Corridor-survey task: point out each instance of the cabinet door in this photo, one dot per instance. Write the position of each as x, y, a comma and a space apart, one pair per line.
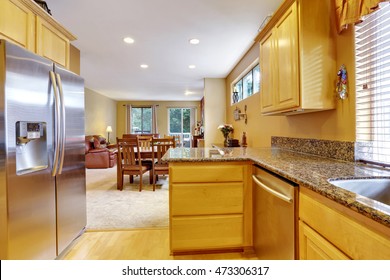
51, 43
358, 237
313, 246
268, 72
17, 24
287, 60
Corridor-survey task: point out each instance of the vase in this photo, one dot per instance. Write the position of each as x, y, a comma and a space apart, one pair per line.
226, 142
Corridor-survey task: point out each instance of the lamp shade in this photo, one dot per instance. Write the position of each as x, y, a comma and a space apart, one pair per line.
109, 129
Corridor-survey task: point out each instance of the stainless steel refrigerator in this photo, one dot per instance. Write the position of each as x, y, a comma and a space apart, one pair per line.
42, 169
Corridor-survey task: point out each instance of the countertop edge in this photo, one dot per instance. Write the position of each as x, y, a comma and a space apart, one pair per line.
319, 185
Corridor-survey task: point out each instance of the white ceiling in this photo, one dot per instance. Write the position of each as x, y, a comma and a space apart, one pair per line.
161, 30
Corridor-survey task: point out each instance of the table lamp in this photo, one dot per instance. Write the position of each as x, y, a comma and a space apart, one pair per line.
108, 129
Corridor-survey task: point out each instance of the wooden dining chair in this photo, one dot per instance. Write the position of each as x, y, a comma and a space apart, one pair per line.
135, 135
155, 135
129, 161
145, 147
160, 147
144, 142
130, 135
176, 139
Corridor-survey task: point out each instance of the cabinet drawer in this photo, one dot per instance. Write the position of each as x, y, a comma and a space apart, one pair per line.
206, 232
207, 198
206, 173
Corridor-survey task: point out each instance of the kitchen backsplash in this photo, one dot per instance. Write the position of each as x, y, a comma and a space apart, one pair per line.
342, 150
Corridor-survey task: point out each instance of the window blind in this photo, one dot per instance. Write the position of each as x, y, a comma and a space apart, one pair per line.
372, 46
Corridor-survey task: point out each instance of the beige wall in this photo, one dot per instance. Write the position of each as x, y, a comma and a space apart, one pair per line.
100, 111
214, 111
162, 113
337, 124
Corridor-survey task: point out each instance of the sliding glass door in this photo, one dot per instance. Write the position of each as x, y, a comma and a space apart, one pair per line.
180, 122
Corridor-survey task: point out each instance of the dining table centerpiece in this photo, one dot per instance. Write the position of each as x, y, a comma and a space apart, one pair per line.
226, 129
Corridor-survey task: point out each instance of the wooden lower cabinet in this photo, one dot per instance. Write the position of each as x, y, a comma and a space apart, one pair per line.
329, 230
210, 206
313, 246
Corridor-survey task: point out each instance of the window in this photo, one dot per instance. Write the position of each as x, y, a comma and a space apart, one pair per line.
237, 92
141, 120
247, 85
256, 78
180, 122
372, 45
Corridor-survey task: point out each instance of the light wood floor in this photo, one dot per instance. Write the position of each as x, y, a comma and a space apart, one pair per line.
133, 244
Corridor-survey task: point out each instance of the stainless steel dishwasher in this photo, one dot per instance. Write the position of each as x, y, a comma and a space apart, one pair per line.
274, 216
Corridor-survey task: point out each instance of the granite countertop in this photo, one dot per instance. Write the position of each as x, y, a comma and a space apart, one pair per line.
307, 170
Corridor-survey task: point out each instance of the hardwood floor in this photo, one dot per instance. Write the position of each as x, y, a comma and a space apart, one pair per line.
134, 244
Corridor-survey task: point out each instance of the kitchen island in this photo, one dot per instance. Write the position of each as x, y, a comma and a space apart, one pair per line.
310, 172
210, 206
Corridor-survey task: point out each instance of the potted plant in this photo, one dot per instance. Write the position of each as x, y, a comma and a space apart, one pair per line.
225, 129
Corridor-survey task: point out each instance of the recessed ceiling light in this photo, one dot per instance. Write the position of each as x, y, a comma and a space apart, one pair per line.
194, 41
189, 92
128, 40
191, 66
144, 66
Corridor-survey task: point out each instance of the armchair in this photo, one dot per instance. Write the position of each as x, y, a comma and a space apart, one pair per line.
97, 155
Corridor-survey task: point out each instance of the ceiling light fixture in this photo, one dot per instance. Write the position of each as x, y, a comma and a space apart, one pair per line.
191, 66
128, 40
194, 41
189, 92
144, 66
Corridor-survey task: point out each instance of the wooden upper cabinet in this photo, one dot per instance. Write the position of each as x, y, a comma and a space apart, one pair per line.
279, 64
25, 23
287, 56
51, 43
269, 75
298, 59
17, 24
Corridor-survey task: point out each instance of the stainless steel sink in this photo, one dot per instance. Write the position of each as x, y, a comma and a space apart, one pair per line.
377, 189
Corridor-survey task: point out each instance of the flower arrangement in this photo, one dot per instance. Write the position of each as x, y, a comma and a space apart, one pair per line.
225, 129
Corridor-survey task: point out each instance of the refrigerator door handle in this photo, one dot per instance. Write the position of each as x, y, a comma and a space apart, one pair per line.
56, 124
62, 154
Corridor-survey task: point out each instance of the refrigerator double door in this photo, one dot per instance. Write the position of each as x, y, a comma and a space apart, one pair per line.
43, 211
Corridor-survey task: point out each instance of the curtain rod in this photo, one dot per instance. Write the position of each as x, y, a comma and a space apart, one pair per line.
140, 105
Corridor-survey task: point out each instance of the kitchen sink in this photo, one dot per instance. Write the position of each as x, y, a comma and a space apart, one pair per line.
377, 189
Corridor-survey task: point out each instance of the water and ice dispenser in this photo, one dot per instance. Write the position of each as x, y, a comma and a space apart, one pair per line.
31, 147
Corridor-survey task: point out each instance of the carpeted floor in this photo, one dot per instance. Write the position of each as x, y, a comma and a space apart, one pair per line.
109, 208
